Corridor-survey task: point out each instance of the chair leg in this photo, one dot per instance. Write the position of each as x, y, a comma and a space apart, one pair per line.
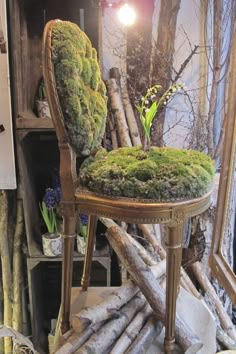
173, 263
67, 267
92, 225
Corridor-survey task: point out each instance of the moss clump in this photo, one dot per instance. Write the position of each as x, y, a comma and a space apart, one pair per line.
81, 91
162, 173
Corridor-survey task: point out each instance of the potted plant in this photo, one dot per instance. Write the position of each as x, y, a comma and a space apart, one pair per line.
52, 241
82, 235
41, 101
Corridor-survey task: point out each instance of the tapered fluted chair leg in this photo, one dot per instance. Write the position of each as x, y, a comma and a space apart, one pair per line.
92, 225
67, 268
173, 264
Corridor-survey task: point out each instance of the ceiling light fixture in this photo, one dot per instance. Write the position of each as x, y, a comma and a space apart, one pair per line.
126, 14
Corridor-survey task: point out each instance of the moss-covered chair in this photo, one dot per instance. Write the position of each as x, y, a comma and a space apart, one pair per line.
160, 186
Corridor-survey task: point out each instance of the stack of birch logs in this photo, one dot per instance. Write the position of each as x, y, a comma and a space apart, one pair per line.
13, 308
129, 319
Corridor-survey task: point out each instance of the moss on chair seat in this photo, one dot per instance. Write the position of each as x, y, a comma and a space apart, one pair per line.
163, 174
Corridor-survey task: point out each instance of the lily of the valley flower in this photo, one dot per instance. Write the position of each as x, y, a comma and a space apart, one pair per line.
151, 102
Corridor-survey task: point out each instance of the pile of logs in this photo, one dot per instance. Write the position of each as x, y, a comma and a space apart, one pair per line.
125, 322
129, 319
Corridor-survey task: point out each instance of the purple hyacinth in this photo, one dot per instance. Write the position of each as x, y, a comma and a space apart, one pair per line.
57, 189
50, 198
57, 192
84, 219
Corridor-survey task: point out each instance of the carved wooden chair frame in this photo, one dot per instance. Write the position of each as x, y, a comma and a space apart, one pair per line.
173, 214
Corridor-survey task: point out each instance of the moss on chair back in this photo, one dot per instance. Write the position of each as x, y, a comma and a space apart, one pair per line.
81, 91
163, 174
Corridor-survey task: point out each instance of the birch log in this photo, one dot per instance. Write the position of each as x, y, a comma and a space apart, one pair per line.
149, 332
131, 120
6, 268
185, 281
131, 331
105, 309
205, 283
118, 110
150, 287
74, 342
1, 314
17, 270
143, 253
112, 132
225, 340
129, 113
148, 234
104, 339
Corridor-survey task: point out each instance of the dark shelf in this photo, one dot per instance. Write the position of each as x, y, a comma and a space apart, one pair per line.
98, 255
28, 120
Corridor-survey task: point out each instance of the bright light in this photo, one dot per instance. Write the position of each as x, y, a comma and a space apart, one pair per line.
126, 15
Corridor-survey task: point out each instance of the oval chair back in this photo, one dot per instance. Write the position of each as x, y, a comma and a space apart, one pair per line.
76, 96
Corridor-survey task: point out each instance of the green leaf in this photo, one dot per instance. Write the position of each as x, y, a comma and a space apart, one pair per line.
84, 231
146, 132
49, 217
151, 114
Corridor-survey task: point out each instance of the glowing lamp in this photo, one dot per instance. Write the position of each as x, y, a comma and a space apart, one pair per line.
126, 14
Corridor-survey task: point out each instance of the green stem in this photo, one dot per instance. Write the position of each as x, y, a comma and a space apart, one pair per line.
146, 144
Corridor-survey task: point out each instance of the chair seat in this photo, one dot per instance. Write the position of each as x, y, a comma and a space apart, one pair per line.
159, 175
137, 211
164, 185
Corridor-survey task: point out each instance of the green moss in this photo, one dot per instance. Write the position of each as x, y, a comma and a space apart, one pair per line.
87, 71
94, 54
102, 88
81, 91
161, 174
96, 78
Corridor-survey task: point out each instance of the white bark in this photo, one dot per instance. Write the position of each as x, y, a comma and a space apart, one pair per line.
106, 309
74, 342
6, 268
118, 110
132, 331
133, 127
104, 339
150, 287
149, 332
17, 270
143, 253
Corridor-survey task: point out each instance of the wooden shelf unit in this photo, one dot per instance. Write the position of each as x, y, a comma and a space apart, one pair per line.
29, 121
37, 151
41, 311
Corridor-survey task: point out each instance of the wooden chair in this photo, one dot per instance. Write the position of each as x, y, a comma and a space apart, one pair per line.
132, 210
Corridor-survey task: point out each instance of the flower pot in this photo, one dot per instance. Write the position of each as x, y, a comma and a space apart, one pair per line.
81, 244
43, 109
52, 244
